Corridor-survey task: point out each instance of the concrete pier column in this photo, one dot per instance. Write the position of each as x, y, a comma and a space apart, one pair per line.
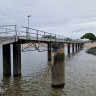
6, 60
49, 51
58, 65
16, 59
72, 47
69, 48
76, 47
81, 45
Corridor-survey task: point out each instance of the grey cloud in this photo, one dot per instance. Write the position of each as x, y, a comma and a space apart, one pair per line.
51, 15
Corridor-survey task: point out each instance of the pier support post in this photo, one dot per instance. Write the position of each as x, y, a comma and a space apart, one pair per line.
16, 59
76, 47
72, 47
81, 45
58, 66
49, 51
6, 60
69, 48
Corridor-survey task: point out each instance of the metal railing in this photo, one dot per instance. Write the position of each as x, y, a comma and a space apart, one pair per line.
8, 31
40, 35
30, 34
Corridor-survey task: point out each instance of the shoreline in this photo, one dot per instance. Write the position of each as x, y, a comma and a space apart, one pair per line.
91, 49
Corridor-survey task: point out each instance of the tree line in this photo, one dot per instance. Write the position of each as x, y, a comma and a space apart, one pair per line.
89, 36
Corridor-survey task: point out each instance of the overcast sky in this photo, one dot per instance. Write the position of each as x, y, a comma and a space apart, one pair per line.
71, 18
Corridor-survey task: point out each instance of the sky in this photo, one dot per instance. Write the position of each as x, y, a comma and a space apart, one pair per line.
69, 18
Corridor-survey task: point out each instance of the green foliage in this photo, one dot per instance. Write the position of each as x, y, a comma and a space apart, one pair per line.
59, 57
48, 36
89, 36
68, 39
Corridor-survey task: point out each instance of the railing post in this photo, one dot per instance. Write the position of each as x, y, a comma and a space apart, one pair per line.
76, 47
64, 39
44, 36
50, 37
37, 35
19, 33
16, 33
55, 38
59, 38
27, 32
6, 32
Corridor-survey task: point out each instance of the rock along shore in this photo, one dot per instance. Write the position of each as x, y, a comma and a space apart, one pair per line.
92, 51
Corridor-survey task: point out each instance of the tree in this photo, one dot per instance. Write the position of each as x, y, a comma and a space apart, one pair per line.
89, 36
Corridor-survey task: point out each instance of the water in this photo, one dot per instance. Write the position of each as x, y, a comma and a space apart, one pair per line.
80, 76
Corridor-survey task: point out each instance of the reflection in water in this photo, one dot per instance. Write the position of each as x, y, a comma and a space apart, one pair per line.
80, 76
71, 54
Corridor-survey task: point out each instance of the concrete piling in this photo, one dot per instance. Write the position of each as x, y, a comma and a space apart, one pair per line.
68, 48
6, 60
72, 47
58, 66
49, 51
76, 47
16, 59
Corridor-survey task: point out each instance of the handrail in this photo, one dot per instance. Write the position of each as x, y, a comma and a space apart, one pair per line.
30, 32
44, 34
9, 31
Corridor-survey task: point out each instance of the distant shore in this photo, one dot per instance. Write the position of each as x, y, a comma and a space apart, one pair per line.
90, 44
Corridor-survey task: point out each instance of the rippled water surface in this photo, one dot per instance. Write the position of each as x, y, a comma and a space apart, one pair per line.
80, 76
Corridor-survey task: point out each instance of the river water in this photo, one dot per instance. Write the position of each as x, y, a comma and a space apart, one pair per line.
80, 76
